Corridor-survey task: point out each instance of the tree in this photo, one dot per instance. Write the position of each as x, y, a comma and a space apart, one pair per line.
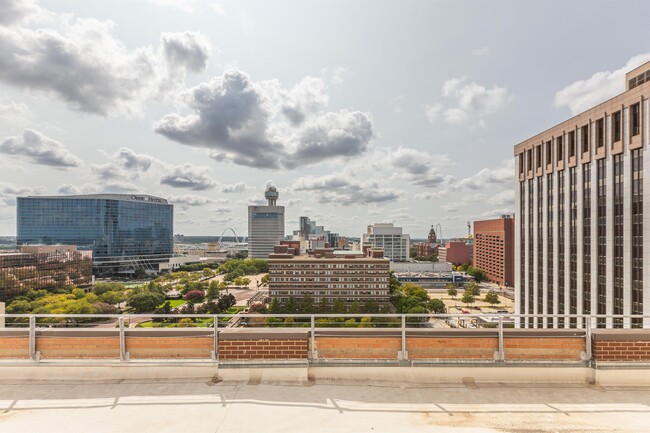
112, 297
289, 321
275, 307
371, 307
145, 301
350, 323
213, 291
366, 322
225, 302
324, 306
437, 306
264, 281
139, 274
195, 296
394, 284
185, 322
78, 293
339, 307
474, 288
306, 305
492, 298
291, 307
355, 308
451, 290
468, 297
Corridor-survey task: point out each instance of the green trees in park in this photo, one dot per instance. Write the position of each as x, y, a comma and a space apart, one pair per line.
145, 300
452, 290
492, 298
437, 306
468, 297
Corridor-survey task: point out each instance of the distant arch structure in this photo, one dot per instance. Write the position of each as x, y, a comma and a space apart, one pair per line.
439, 232
237, 241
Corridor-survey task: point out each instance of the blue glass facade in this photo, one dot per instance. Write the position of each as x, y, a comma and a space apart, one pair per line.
118, 228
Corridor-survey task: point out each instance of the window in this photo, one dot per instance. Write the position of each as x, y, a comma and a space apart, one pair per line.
529, 156
616, 127
584, 131
600, 133
635, 119
549, 153
572, 144
560, 148
538, 157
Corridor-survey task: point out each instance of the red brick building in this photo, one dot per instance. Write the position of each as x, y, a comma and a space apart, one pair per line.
494, 245
429, 247
456, 252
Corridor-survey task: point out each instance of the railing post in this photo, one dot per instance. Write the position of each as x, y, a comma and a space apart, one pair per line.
33, 354
314, 353
500, 355
403, 355
215, 352
587, 353
124, 355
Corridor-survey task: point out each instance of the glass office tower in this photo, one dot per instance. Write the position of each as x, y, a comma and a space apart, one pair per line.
125, 232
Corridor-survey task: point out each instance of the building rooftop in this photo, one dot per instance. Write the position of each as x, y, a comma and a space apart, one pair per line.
254, 404
122, 197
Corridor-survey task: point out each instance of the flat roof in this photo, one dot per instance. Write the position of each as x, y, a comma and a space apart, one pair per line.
260, 404
143, 198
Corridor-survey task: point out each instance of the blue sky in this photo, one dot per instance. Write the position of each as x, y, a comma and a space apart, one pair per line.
357, 111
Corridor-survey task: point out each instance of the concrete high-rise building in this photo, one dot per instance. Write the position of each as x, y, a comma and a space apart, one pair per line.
265, 226
494, 245
389, 238
124, 231
581, 213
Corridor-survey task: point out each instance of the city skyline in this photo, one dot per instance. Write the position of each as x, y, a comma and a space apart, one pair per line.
410, 116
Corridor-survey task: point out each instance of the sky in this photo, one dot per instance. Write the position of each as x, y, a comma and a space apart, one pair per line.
357, 111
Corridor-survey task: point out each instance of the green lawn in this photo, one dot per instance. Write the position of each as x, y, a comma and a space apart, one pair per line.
175, 303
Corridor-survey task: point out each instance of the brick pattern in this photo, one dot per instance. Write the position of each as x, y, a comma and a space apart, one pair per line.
14, 347
621, 350
452, 348
169, 347
559, 349
358, 347
263, 349
78, 347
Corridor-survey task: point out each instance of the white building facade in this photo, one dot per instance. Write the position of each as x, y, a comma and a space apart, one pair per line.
265, 226
394, 243
583, 222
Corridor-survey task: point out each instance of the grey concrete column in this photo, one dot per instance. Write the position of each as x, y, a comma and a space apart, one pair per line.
594, 227
535, 274
545, 281
580, 235
627, 221
609, 166
556, 246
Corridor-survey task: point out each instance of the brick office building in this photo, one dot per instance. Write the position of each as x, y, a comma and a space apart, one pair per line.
494, 244
329, 274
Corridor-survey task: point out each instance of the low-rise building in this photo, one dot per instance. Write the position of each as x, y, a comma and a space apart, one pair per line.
328, 274
44, 267
389, 238
456, 252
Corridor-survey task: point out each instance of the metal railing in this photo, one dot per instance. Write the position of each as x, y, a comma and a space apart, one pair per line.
497, 323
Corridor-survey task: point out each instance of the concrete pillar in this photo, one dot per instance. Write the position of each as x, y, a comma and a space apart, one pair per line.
545, 281
610, 220
627, 220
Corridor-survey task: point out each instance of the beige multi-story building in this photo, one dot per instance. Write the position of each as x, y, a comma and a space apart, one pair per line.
581, 214
329, 274
265, 226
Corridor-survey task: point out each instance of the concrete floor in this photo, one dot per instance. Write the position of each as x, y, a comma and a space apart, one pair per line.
200, 406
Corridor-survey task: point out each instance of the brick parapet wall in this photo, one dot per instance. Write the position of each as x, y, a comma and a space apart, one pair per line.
14, 347
620, 345
261, 349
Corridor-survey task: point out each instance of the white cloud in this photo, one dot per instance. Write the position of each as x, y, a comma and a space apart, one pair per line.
469, 102
489, 178
39, 149
14, 113
601, 86
345, 190
481, 52
190, 200
116, 187
125, 164
190, 6
9, 192
190, 177
261, 124
80, 61
234, 188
